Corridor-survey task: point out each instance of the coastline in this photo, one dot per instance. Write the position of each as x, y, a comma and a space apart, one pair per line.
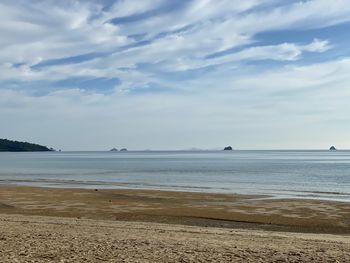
93, 225
179, 208
273, 194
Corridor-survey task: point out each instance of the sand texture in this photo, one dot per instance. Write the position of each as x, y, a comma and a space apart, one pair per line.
76, 225
49, 239
200, 209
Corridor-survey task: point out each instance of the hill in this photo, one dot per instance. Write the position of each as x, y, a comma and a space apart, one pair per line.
15, 146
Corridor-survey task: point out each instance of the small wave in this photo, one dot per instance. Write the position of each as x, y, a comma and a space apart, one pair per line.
314, 192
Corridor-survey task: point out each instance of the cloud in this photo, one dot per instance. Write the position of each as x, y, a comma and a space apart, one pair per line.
34, 32
63, 30
125, 66
126, 8
274, 101
282, 52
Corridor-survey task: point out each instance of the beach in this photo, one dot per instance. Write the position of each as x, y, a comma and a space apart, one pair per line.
51, 239
94, 225
175, 131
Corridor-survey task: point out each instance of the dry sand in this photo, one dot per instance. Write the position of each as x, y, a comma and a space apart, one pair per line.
49, 239
76, 225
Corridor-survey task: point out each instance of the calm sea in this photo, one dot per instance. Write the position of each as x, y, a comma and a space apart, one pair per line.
291, 174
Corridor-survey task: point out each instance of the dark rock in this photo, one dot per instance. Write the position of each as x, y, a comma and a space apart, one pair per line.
228, 148
123, 150
114, 150
333, 148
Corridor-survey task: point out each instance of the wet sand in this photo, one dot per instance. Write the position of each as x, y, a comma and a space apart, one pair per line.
201, 209
76, 225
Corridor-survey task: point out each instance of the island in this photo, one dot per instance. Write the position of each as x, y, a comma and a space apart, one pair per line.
123, 150
332, 148
228, 148
15, 146
113, 150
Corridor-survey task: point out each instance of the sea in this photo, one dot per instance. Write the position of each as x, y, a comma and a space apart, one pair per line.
303, 174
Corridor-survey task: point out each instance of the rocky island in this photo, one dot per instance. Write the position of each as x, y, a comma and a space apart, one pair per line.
332, 148
15, 146
228, 148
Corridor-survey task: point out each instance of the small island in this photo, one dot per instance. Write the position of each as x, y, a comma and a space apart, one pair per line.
123, 150
113, 150
15, 146
228, 148
332, 148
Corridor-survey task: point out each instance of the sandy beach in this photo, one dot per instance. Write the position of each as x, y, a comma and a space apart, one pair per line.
81, 225
50, 239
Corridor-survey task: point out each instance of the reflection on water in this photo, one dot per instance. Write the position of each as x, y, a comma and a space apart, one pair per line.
296, 174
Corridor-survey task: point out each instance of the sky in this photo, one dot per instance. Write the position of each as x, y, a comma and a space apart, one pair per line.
160, 74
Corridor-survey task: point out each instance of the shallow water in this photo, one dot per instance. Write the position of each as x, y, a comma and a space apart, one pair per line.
291, 174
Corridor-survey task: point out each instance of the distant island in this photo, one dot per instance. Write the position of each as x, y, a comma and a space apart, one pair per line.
15, 146
228, 148
116, 150
332, 148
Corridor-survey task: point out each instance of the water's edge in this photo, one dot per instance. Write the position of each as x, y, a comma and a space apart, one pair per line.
320, 175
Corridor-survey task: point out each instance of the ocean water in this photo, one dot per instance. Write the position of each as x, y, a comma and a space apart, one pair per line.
279, 174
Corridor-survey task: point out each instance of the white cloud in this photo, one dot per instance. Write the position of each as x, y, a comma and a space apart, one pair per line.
282, 52
329, 76
124, 8
233, 101
57, 30
33, 31
275, 104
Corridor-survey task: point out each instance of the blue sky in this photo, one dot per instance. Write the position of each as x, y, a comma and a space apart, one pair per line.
157, 74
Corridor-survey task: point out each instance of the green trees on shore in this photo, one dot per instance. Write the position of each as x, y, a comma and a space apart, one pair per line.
15, 146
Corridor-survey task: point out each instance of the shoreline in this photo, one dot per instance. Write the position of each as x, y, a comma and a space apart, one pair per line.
286, 194
179, 208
